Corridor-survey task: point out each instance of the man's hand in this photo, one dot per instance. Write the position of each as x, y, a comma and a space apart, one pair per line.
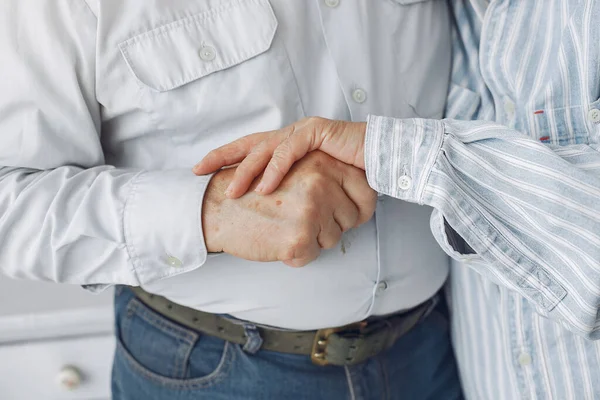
316, 202
275, 152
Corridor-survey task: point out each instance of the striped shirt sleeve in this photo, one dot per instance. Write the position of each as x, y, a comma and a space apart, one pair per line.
530, 212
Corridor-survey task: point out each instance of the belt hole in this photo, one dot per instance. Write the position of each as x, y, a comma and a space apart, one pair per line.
195, 320
151, 296
220, 329
299, 336
297, 347
169, 306
349, 359
352, 347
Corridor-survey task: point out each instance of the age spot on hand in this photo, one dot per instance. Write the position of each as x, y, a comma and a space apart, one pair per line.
278, 202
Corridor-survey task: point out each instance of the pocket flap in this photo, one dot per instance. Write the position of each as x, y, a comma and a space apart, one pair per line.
185, 50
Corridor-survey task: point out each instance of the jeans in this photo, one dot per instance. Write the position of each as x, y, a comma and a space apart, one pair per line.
157, 359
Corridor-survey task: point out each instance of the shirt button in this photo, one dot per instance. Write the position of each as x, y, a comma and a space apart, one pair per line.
208, 53
332, 3
381, 287
524, 359
359, 96
594, 115
509, 107
174, 262
404, 182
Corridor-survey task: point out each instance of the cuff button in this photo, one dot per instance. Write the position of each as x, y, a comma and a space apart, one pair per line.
174, 262
404, 182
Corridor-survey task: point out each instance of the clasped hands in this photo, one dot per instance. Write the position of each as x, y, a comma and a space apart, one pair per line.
286, 201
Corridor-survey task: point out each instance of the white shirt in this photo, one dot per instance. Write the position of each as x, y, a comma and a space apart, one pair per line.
106, 105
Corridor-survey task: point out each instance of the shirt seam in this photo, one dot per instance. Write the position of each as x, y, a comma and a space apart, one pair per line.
129, 243
183, 22
434, 154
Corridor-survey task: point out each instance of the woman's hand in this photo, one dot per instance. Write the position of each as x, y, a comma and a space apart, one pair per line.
275, 152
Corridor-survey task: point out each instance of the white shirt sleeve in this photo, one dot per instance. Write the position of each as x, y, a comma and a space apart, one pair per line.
65, 216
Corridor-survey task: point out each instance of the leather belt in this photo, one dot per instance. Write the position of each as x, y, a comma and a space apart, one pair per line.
347, 345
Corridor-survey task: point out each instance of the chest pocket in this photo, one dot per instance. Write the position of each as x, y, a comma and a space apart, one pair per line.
223, 70
569, 125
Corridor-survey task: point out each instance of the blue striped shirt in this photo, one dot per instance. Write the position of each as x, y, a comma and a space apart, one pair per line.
516, 194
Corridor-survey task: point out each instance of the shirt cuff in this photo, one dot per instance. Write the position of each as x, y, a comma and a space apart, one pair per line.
163, 225
400, 153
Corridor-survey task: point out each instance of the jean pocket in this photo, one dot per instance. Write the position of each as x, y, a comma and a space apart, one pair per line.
167, 353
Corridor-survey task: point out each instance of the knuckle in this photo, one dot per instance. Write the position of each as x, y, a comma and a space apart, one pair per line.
314, 120
257, 151
299, 247
316, 178
279, 155
331, 240
371, 202
309, 213
284, 149
278, 160
317, 188
300, 263
329, 245
303, 242
289, 252
351, 223
365, 214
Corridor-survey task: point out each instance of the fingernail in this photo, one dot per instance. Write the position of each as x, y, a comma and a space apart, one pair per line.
260, 187
229, 190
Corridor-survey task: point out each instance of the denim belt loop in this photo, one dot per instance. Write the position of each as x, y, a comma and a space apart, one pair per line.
253, 339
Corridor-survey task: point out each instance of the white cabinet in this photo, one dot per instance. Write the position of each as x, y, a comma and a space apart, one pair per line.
44, 369
29, 297
52, 337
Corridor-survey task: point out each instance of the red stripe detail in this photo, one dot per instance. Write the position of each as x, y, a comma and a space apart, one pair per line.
539, 112
544, 138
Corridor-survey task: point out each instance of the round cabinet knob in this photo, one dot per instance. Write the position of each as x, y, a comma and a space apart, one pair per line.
69, 378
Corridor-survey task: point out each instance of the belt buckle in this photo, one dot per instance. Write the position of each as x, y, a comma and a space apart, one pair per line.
318, 353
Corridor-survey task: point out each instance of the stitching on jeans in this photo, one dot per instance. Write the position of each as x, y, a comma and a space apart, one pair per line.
149, 316
211, 379
161, 323
185, 359
384, 374
349, 380
137, 309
